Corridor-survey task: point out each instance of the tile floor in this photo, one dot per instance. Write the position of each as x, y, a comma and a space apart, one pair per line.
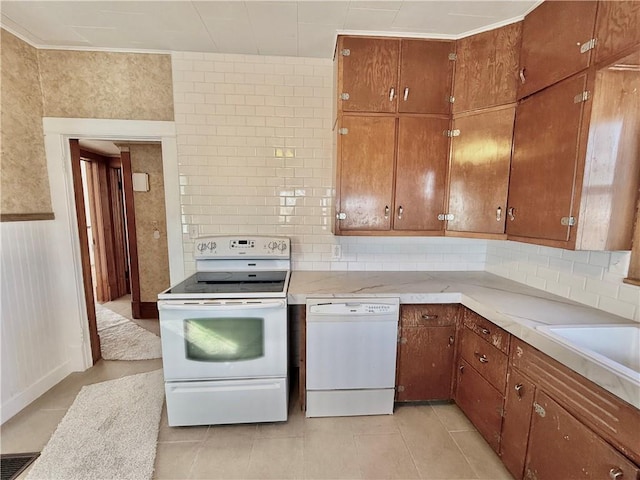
433, 441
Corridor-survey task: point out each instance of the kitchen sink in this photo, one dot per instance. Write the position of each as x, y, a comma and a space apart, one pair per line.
615, 347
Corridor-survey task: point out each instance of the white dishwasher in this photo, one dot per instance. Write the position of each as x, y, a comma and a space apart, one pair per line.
351, 356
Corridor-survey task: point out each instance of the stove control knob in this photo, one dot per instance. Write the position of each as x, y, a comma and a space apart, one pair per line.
282, 246
272, 245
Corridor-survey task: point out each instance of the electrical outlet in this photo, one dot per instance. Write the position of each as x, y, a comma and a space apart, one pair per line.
336, 252
194, 231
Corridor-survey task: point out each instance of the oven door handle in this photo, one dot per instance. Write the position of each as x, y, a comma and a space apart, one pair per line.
263, 304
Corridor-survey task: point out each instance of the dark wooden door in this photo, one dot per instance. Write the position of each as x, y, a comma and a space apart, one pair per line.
562, 447
425, 76
486, 72
368, 74
545, 158
426, 352
366, 172
481, 402
617, 28
85, 259
121, 257
479, 171
552, 43
518, 405
420, 173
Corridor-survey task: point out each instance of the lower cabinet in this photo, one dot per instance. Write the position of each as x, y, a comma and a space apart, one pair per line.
481, 402
562, 447
426, 352
518, 405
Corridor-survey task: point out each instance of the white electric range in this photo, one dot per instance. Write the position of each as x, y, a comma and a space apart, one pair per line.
224, 333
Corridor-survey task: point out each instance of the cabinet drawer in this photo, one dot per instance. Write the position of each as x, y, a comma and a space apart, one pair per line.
488, 331
615, 420
562, 447
481, 402
429, 315
489, 362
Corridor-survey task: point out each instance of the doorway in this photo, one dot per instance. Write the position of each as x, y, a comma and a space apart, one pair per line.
107, 208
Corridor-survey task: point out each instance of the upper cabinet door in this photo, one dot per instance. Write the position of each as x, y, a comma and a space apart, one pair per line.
486, 72
545, 157
421, 173
425, 76
479, 172
366, 172
617, 27
368, 74
554, 43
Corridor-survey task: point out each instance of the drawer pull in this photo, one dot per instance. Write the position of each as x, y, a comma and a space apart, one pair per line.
485, 331
426, 316
392, 94
482, 358
518, 389
461, 368
616, 474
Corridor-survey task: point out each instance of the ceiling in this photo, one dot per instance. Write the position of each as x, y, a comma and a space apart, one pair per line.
287, 28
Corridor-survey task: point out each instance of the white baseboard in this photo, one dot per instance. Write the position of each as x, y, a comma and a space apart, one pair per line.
13, 405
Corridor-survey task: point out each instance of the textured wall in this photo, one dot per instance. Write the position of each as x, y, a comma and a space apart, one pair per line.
23, 167
153, 258
106, 85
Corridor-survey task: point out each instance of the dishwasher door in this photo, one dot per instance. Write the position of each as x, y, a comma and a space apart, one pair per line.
351, 356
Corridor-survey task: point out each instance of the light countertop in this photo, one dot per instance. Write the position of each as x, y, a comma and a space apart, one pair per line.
512, 306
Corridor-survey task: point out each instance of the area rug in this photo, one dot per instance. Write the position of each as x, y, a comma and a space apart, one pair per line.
109, 432
121, 339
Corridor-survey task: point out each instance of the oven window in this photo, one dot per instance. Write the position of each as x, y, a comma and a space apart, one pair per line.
224, 339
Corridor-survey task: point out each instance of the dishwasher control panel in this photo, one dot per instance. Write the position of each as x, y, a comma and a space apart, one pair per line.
386, 306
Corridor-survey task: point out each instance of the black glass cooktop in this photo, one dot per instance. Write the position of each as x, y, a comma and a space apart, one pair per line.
232, 282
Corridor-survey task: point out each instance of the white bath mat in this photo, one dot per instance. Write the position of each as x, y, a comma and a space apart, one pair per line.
121, 339
110, 432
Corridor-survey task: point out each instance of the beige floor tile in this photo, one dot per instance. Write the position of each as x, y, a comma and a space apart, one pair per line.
384, 457
29, 430
452, 417
224, 456
328, 424
434, 452
482, 458
180, 434
330, 456
175, 459
373, 424
293, 427
276, 458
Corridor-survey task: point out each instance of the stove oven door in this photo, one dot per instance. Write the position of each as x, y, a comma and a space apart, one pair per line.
225, 339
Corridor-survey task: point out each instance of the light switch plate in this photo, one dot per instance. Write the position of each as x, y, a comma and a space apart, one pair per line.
336, 252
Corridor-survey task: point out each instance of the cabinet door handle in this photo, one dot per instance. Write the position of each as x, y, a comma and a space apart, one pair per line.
386, 211
400, 212
511, 212
522, 77
392, 93
498, 214
482, 358
426, 316
485, 331
461, 368
406, 93
451, 340
616, 474
518, 389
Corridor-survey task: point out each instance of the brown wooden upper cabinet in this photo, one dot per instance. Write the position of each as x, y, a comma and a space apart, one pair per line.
574, 174
486, 70
383, 75
390, 179
617, 28
479, 170
556, 43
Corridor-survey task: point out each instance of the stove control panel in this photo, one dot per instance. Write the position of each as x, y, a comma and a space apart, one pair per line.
234, 247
